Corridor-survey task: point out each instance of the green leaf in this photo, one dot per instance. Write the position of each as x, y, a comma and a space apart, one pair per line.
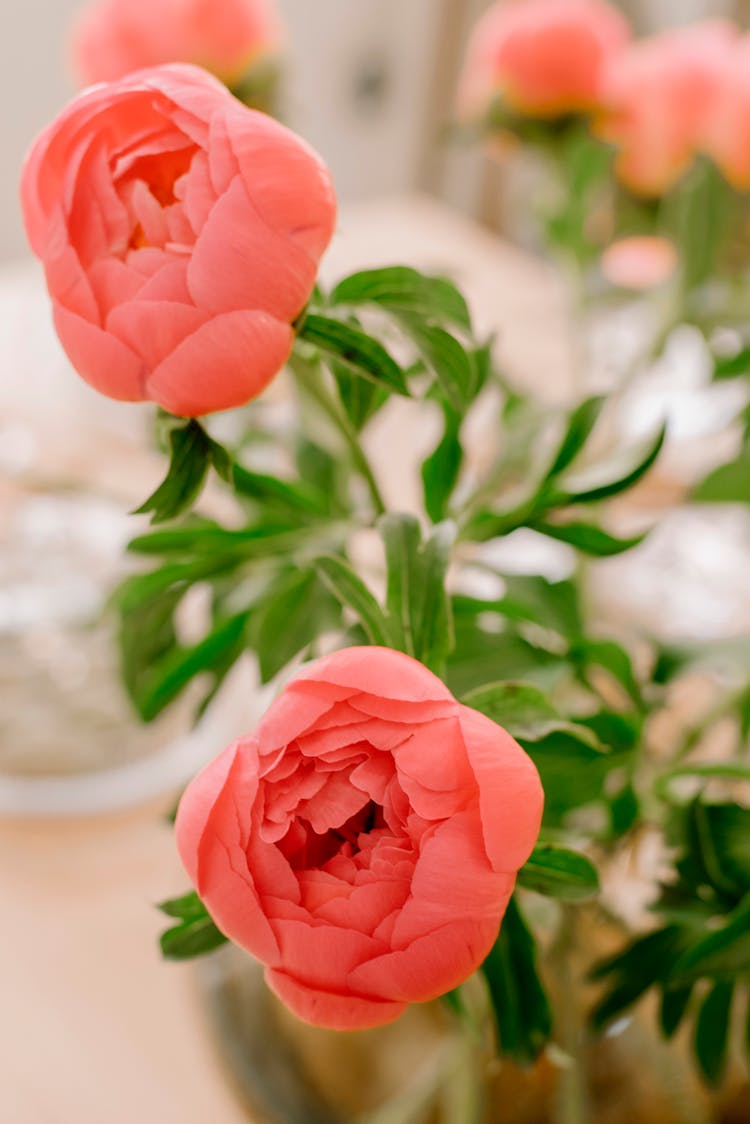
712, 1031
218, 651
721, 955
218, 545
440, 470
434, 636
294, 498
580, 425
586, 537
418, 606
318, 467
572, 772
481, 654
559, 873
351, 591
643, 963
400, 289
146, 634
293, 613
446, 357
729, 366
613, 658
519, 1001
195, 935
523, 710
532, 598
674, 1004
720, 834
191, 454
697, 217
186, 908
610, 478
357, 351
729, 483
360, 398
402, 539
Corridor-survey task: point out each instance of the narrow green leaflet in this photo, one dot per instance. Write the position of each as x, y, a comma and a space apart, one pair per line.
722, 954
446, 356
434, 631
194, 935
402, 539
296, 499
524, 711
360, 398
417, 603
146, 635
610, 656
675, 1002
211, 544
292, 614
730, 366
550, 604
729, 483
559, 873
580, 425
166, 679
519, 1001
401, 289
191, 454
697, 217
609, 478
359, 353
712, 1025
631, 973
586, 537
345, 584
440, 470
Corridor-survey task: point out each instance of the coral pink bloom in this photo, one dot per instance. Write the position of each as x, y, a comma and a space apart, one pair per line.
640, 262
544, 58
180, 234
363, 843
111, 38
660, 97
726, 136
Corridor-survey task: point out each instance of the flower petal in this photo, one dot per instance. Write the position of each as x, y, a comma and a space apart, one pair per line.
511, 798
238, 262
101, 359
326, 1008
228, 361
155, 328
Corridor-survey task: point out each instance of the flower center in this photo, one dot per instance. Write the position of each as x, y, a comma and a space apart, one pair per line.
305, 848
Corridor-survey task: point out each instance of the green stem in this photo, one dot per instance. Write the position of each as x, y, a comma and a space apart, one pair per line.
308, 376
572, 1102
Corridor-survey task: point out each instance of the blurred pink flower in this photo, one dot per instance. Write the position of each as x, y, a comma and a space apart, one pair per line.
544, 58
640, 262
180, 235
363, 842
660, 100
111, 38
726, 137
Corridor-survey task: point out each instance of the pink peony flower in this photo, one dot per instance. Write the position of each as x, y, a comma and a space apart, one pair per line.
363, 843
180, 234
545, 58
726, 135
111, 38
640, 262
659, 101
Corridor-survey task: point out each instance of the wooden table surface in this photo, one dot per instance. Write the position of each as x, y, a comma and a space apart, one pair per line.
95, 1027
